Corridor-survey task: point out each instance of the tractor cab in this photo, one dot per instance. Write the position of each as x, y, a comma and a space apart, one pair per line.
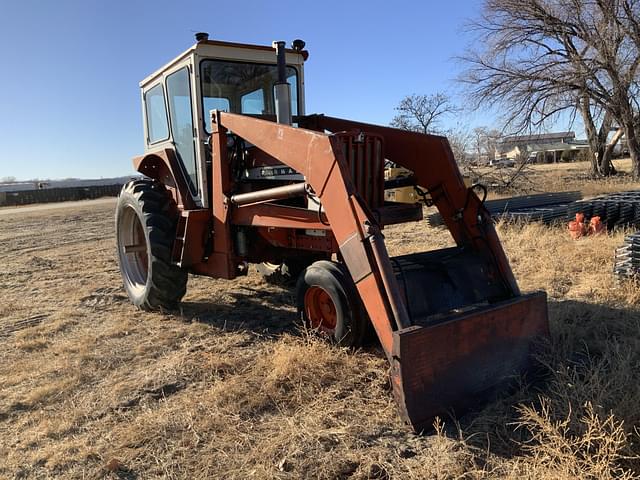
212, 75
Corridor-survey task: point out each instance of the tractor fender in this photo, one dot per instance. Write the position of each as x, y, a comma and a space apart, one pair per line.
164, 167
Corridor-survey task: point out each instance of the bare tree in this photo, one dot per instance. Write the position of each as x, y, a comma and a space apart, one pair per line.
461, 142
422, 113
538, 59
485, 142
505, 177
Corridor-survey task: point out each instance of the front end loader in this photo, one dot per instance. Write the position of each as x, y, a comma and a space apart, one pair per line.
237, 174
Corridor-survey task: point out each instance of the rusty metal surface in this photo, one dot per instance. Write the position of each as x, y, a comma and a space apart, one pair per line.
281, 216
396, 301
364, 155
163, 166
319, 157
295, 239
452, 323
431, 160
359, 265
222, 263
456, 365
269, 194
191, 237
284, 216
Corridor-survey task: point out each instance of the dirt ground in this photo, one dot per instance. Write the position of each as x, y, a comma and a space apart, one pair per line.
232, 387
20, 210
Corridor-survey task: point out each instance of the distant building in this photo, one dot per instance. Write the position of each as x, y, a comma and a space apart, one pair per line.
541, 148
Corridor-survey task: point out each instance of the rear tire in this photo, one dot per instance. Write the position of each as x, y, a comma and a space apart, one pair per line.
328, 303
146, 218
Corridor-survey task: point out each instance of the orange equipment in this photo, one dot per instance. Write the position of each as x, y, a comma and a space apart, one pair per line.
596, 226
579, 228
305, 194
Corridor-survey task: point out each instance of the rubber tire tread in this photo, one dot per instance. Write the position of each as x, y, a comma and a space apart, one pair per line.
166, 283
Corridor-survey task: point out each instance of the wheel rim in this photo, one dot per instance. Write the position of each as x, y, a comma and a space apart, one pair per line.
132, 249
320, 310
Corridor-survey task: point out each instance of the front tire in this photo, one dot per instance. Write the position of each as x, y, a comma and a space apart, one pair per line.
328, 303
146, 219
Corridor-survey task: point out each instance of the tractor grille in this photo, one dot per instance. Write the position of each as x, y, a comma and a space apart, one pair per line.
365, 158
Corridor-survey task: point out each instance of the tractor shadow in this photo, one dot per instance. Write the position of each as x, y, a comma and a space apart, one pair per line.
268, 312
582, 335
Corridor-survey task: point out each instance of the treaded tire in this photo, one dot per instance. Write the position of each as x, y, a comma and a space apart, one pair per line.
146, 218
351, 320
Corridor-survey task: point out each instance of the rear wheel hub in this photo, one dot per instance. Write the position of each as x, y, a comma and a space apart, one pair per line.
134, 256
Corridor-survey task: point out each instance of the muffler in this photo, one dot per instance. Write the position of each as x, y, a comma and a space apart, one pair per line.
282, 89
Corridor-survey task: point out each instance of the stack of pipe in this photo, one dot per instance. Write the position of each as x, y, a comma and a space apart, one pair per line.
627, 258
546, 207
615, 209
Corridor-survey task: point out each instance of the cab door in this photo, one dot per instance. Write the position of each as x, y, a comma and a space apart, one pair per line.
183, 133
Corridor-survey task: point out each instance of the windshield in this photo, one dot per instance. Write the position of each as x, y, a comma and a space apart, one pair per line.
242, 87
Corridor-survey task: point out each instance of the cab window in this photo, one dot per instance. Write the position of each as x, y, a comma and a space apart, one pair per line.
156, 113
252, 102
215, 103
246, 87
181, 117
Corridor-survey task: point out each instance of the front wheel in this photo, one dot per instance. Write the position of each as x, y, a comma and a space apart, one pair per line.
145, 230
329, 304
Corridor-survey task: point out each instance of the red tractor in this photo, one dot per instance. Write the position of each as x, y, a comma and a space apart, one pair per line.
236, 173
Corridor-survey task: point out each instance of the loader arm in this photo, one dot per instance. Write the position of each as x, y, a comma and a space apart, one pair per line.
457, 327
319, 158
431, 159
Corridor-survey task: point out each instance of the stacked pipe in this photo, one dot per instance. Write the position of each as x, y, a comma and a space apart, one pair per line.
615, 210
546, 207
546, 215
627, 258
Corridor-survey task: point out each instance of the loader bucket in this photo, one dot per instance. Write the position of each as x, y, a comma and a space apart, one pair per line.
459, 362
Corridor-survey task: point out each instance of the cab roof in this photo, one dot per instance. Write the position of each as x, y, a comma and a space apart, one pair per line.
230, 51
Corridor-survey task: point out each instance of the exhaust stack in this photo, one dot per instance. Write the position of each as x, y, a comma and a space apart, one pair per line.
282, 88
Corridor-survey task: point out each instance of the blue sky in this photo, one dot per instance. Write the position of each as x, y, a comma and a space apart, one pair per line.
69, 98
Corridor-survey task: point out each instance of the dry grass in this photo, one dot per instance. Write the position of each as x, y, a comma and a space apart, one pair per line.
231, 388
563, 177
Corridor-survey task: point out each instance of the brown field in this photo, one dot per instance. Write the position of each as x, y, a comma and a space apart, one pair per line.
232, 387
561, 177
